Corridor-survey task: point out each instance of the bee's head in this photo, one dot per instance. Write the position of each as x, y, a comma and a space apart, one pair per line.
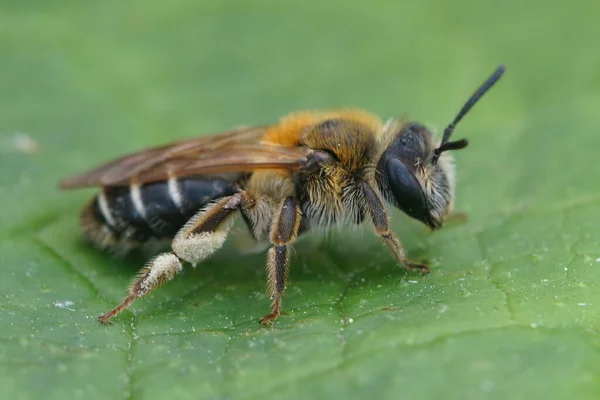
416, 174
413, 179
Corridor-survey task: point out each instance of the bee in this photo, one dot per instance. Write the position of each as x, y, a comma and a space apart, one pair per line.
311, 169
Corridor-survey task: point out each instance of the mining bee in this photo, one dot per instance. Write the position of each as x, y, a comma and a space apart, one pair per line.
311, 169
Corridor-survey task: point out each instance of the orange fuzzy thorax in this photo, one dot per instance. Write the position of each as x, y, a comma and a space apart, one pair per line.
289, 130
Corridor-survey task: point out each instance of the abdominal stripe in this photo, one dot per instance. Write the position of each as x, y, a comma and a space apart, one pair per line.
105, 210
157, 209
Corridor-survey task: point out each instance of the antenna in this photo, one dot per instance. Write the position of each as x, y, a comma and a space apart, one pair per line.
445, 145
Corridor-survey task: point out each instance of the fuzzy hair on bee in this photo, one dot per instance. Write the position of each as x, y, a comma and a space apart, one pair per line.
310, 171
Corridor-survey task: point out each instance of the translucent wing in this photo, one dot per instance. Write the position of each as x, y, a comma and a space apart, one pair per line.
234, 151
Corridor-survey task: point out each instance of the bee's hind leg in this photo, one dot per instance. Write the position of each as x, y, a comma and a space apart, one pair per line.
380, 220
201, 236
286, 224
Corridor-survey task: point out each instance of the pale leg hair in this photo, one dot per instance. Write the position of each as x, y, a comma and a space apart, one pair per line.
201, 236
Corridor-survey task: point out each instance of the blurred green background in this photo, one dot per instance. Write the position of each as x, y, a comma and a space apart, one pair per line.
511, 309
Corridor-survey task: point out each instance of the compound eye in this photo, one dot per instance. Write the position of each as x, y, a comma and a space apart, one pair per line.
406, 189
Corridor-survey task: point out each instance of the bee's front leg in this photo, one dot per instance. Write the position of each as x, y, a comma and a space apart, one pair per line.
284, 231
380, 220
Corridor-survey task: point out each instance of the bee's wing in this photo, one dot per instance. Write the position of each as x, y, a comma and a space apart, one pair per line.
234, 151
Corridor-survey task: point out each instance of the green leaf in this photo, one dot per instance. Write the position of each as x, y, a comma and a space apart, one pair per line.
512, 306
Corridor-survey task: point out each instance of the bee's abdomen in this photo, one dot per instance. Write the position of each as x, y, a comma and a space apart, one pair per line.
129, 216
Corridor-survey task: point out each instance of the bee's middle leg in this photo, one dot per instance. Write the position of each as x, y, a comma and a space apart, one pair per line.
201, 236
380, 220
286, 224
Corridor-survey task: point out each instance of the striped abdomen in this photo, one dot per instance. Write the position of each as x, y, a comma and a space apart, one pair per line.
124, 217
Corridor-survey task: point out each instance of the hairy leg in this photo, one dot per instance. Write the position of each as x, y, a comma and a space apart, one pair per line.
286, 224
380, 220
201, 236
